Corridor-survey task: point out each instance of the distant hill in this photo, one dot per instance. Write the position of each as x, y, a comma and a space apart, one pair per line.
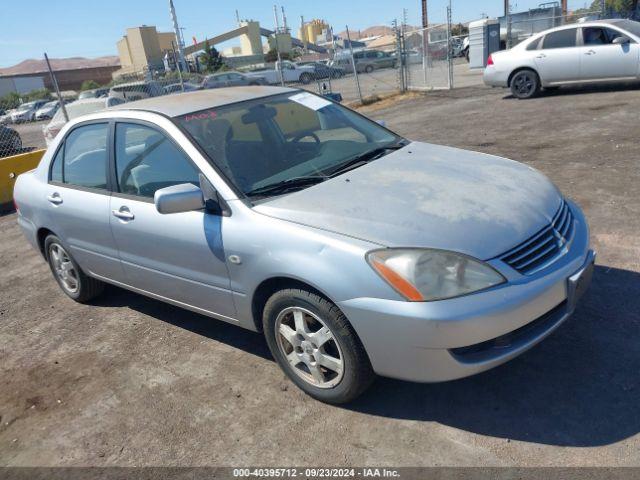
72, 63
367, 32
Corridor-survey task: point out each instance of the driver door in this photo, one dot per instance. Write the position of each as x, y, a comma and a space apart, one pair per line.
179, 257
601, 59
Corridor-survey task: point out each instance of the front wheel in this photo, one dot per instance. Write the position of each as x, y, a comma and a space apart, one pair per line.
525, 84
315, 346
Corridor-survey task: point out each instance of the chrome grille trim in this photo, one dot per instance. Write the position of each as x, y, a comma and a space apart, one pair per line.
545, 247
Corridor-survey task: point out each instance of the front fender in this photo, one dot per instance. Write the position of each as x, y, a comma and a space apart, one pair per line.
268, 248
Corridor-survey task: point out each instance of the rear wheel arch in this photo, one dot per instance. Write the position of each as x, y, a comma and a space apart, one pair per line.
520, 69
42, 235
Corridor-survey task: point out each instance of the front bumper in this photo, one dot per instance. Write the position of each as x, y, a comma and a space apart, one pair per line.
455, 338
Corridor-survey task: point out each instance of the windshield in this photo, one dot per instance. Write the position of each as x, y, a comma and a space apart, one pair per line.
26, 106
283, 137
87, 94
630, 26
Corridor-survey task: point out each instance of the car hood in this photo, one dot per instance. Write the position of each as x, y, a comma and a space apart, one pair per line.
432, 196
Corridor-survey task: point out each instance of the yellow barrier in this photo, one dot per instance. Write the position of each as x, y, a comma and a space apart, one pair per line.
11, 167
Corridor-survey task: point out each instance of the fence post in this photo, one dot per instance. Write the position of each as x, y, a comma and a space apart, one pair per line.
55, 85
449, 49
353, 63
400, 53
175, 60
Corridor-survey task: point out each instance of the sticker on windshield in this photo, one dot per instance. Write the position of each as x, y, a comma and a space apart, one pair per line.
310, 101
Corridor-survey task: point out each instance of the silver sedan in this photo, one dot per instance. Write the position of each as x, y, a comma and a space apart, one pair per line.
356, 251
589, 52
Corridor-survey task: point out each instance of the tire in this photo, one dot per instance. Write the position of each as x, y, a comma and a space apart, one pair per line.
525, 84
368, 69
16, 143
305, 78
340, 346
87, 288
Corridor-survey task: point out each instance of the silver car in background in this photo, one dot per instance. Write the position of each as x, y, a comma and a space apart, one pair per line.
589, 52
231, 79
356, 251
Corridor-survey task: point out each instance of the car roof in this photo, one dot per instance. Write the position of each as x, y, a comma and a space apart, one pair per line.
187, 102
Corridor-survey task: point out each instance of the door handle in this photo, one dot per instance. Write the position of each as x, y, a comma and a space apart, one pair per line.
590, 52
55, 198
542, 55
123, 214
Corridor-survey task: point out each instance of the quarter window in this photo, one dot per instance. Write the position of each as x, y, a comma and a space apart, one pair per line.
82, 160
560, 39
146, 161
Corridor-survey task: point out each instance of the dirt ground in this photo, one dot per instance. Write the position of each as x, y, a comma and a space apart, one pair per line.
131, 381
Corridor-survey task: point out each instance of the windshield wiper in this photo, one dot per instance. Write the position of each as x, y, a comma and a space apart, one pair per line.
287, 185
365, 158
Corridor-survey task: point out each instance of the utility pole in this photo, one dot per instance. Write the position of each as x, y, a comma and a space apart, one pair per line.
425, 31
179, 41
275, 38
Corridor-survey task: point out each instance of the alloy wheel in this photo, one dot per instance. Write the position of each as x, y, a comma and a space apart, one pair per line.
310, 347
63, 268
524, 84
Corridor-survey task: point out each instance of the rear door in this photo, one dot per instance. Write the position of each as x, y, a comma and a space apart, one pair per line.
78, 199
601, 59
558, 60
177, 256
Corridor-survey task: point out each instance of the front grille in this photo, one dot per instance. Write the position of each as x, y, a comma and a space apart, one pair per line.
545, 247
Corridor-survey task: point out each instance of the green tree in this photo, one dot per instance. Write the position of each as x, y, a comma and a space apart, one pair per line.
89, 85
272, 56
210, 59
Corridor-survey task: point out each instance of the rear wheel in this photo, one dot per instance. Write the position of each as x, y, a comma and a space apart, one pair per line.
315, 346
306, 78
73, 281
525, 84
368, 69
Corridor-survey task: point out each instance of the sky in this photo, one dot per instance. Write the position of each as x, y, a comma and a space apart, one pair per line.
91, 28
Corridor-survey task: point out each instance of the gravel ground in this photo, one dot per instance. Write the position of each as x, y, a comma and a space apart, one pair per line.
131, 381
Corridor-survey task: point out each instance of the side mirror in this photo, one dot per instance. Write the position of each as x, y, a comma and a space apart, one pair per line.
621, 40
178, 198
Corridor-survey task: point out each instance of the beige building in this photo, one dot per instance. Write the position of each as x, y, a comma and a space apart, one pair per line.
143, 48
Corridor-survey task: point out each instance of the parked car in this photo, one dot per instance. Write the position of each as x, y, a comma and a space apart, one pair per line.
590, 52
5, 118
75, 110
27, 111
136, 90
95, 93
10, 141
48, 110
365, 60
291, 72
231, 79
322, 70
356, 251
178, 88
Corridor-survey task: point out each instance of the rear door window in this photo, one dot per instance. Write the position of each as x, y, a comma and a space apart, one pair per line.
82, 160
560, 39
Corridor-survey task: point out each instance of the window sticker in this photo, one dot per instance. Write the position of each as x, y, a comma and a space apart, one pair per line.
310, 101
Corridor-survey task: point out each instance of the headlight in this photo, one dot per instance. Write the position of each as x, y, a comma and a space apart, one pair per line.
426, 275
